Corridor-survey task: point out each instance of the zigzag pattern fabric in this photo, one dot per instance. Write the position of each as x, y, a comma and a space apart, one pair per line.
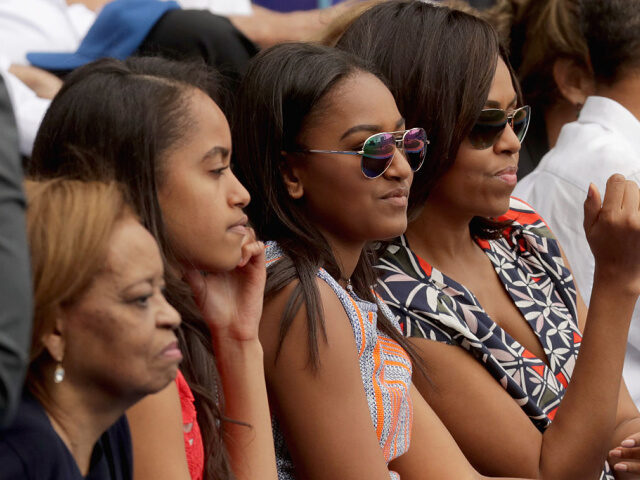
385, 368
528, 262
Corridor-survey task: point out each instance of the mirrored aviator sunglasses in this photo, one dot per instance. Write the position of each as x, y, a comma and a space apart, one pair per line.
378, 150
492, 122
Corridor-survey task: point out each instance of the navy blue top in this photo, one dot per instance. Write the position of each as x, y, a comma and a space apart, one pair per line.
31, 449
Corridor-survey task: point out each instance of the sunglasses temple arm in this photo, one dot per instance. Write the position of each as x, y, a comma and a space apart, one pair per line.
361, 152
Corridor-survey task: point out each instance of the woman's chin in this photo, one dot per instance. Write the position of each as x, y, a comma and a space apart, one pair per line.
391, 232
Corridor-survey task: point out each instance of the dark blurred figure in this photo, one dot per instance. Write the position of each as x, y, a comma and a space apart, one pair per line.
15, 284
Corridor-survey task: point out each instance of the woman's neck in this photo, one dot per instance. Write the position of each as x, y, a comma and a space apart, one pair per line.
441, 237
346, 252
624, 91
556, 117
80, 417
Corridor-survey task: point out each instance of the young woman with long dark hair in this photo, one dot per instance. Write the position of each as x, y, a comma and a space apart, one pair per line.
152, 125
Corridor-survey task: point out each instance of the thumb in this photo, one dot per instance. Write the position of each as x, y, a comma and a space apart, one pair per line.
592, 205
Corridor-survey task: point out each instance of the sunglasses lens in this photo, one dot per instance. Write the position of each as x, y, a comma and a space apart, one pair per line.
521, 122
378, 153
489, 126
414, 143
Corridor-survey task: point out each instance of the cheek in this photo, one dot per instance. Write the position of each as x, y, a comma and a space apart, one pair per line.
112, 344
471, 188
196, 215
348, 205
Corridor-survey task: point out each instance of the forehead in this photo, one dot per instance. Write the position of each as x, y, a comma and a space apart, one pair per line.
360, 98
502, 90
206, 118
132, 254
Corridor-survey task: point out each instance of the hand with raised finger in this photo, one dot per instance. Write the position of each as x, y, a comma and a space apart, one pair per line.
231, 302
625, 458
613, 232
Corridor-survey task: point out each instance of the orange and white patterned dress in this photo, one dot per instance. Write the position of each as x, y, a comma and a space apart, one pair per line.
385, 369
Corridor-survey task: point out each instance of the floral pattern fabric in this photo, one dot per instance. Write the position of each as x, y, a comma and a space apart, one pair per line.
528, 261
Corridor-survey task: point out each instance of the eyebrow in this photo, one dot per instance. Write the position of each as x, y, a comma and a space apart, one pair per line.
143, 281
369, 128
494, 104
217, 151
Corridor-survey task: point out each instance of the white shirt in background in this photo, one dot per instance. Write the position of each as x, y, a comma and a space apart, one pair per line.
604, 140
53, 26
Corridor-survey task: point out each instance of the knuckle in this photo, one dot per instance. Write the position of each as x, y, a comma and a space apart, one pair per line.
608, 216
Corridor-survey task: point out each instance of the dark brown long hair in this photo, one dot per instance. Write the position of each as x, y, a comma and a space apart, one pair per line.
611, 30
281, 91
124, 116
439, 63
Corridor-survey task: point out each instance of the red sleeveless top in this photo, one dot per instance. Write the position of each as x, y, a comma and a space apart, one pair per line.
192, 437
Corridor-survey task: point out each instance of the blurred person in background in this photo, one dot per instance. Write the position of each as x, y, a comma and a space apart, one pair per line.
549, 54
15, 285
604, 139
224, 33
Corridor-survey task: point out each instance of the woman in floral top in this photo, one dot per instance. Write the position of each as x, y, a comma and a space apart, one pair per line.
479, 270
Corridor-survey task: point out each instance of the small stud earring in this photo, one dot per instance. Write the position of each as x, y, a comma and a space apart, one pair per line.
58, 374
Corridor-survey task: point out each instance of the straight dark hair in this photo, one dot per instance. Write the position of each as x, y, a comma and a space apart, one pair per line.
125, 116
611, 29
281, 92
439, 63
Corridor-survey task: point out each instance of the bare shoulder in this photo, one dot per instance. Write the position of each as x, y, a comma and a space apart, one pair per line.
335, 321
323, 411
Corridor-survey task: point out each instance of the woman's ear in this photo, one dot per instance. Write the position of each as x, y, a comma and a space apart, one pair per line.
290, 176
575, 81
53, 339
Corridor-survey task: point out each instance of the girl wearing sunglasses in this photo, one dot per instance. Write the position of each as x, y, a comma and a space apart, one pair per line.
481, 271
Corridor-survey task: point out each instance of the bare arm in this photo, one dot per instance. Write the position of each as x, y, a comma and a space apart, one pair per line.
433, 452
267, 27
156, 426
627, 419
231, 303
242, 371
44, 84
491, 428
324, 415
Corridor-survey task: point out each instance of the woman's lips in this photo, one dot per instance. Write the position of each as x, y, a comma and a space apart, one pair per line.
508, 176
240, 227
397, 197
172, 351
